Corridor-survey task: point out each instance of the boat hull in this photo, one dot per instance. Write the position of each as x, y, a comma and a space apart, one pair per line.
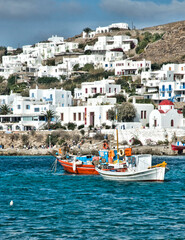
153, 174
79, 169
177, 148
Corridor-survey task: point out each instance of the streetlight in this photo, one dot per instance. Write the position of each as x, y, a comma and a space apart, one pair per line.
50, 142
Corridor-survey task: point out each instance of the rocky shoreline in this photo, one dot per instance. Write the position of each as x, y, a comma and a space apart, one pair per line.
153, 150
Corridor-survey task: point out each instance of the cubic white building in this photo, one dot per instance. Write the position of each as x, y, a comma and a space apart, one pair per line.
107, 43
129, 67
166, 116
105, 87
55, 97
107, 29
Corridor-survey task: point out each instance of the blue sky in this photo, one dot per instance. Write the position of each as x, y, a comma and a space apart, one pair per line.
29, 21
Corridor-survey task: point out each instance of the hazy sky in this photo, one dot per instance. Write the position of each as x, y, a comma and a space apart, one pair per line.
29, 21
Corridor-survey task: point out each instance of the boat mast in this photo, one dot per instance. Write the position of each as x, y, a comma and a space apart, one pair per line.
117, 145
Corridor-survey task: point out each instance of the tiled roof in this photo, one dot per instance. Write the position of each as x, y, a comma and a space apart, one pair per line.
166, 102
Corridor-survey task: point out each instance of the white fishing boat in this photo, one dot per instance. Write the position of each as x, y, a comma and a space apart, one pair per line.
134, 168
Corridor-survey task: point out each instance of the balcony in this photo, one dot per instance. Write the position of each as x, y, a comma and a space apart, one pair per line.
169, 89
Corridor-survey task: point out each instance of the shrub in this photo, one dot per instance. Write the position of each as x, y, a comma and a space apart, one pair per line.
99, 136
25, 139
137, 142
82, 132
80, 126
71, 126
47, 80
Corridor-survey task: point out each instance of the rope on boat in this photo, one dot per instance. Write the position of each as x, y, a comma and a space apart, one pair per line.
54, 166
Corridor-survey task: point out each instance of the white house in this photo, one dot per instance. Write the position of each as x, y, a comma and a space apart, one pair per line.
143, 112
107, 29
88, 89
166, 116
129, 67
55, 97
107, 43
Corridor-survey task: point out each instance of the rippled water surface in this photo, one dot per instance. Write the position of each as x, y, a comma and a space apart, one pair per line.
63, 206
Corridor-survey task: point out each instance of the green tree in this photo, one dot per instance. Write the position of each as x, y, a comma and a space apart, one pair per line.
88, 67
120, 98
125, 112
49, 114
5, 109
11, 81
87, 30
76, 67
47, 80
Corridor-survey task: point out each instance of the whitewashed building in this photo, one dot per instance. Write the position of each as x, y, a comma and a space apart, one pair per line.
108, 43
106, 29
166, 116
104, 87
129, 67
55, 97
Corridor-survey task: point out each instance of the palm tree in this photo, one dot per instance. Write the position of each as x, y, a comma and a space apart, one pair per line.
4, 109
49, 114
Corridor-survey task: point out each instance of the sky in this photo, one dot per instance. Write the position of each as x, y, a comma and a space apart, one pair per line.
24, 22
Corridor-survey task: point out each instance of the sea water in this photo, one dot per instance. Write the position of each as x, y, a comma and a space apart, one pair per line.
57, 205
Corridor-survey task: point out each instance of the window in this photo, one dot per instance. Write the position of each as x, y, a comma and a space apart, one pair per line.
155, 123
62, 117
27, 107
170, 94
170, 87
101, 90
33, 95
86, 91
172, 123
36, 109
107, 116
115, 90
62, 104
141, 114
109, 90
79, 116
84, 116
144, 114
51, 96
18, 106
74, 116
62, 95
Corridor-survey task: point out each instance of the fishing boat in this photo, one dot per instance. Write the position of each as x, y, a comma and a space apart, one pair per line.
178, 146
79, 164
86, 164
133, 168
130, 167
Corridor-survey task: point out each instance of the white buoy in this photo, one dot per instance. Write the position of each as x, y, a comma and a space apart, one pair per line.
11, 203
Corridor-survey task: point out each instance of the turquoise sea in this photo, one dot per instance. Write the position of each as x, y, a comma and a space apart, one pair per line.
63, 206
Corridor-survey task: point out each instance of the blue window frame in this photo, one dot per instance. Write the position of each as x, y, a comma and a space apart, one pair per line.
36, 109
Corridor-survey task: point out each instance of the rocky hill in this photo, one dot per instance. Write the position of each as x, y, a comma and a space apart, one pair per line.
170, 48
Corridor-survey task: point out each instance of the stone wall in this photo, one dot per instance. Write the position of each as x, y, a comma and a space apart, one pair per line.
147, 135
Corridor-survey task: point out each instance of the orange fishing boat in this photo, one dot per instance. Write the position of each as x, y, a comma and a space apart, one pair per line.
78, 167
86, 164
